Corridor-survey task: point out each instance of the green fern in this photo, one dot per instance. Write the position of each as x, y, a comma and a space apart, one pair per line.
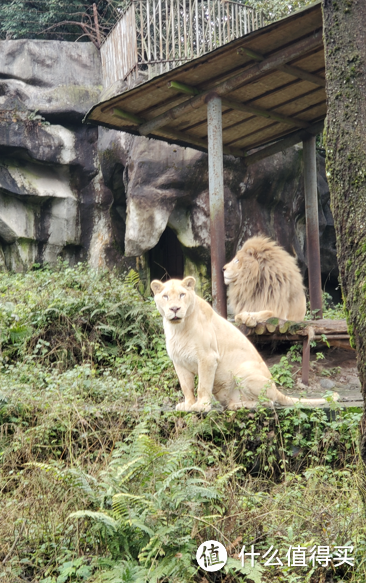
19, 333
69, 477
155, 496
123, 572
105, 519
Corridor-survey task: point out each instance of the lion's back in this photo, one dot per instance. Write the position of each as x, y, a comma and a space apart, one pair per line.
268, 279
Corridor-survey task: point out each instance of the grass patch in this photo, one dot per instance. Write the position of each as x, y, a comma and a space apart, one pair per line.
101, 480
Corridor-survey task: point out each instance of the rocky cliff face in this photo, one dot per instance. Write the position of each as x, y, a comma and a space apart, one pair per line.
166, 192
83, 193
53, 198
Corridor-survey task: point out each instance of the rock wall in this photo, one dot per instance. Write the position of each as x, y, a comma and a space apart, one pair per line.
53, 200
167, 187
87, 193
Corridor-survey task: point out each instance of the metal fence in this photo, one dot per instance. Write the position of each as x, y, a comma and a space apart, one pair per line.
154, 36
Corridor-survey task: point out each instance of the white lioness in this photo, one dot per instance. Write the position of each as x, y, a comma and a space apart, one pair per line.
264, 281
199, 341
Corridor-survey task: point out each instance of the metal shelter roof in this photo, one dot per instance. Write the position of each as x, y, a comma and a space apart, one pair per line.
271, 82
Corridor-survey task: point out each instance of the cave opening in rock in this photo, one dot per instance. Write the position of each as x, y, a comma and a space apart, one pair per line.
166, 259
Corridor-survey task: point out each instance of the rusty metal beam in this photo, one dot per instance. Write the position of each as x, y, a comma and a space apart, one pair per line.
290, 69
217, 208
237, 105
260, 112
174, 134
304, 75
268, 65
287, 142
193, 140
312, 225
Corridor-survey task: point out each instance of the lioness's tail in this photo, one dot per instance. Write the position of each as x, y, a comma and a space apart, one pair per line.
284, 400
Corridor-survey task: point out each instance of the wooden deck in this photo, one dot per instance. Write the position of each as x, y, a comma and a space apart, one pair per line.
329, 332
333, 337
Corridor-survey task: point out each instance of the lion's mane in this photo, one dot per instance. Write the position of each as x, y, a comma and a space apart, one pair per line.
267, 278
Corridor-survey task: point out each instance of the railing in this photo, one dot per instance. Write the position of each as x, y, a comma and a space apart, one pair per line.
154, 36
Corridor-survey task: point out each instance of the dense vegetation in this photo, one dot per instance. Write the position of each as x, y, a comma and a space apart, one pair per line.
102, 481
70, 20
74, 20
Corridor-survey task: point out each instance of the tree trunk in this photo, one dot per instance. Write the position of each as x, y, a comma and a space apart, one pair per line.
345, 58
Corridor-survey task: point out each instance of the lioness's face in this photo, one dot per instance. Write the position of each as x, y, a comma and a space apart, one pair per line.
231, 270
175, 298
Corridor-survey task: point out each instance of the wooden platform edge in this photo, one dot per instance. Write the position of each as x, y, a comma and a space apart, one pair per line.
329, 332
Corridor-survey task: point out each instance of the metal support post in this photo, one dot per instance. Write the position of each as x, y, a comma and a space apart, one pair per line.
305, 361
216, 197
312, 225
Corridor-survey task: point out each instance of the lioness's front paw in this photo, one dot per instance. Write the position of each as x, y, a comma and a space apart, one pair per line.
201, 407
184, 406
246, 318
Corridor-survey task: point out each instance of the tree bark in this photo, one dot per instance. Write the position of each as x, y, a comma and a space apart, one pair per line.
345, 64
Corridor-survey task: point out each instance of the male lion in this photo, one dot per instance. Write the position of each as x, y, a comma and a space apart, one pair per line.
199, 341
264, 281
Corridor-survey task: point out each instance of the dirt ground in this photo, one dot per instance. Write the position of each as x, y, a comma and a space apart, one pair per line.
337, 371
